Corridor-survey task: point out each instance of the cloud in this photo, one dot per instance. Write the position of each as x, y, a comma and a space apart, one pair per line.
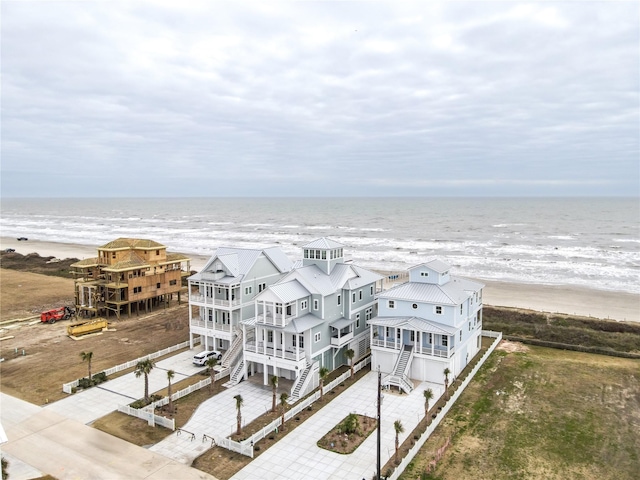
321, 96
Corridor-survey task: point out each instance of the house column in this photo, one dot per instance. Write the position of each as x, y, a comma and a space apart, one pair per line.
433, 341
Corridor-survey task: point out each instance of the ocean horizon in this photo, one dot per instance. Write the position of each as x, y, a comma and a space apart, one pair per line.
589, 242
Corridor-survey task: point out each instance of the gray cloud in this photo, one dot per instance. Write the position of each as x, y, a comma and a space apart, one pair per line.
320, 98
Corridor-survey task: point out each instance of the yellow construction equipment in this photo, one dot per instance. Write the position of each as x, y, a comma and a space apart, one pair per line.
90, 326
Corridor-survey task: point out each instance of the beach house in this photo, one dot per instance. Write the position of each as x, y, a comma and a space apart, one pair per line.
310, 318
222, 295
129, 275
428, 324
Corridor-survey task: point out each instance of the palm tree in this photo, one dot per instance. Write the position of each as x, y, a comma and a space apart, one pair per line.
144, 367
397, 426
170, 375
239, 401
428, 395
446, 380
86, 357
210, 363
283, 403
324, 371
349, 354
274, 386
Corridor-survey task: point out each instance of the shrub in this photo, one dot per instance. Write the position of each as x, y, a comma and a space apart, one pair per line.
84, 383
99, 378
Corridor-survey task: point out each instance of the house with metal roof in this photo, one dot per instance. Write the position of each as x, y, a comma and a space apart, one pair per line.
222, 295
431, 322
129, 275
310, 318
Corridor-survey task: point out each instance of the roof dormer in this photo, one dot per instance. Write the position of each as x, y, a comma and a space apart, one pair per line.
323, 253
435, 272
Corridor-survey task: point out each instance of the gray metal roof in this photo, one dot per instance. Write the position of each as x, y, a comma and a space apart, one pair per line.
323, 243
341, 323
413, 323
279, 259
364, 277
302, 324
435, 264
286, 292
231, 263
449, 294
239, 261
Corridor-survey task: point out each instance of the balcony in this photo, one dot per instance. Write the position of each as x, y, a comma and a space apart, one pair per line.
217, 327
202, 300
288, 354
438, 351
339, 341
280, 320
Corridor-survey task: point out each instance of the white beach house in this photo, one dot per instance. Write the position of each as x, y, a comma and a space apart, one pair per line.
222, 294
310, 318
431, 322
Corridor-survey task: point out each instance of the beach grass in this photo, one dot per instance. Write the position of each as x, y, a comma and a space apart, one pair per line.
542, 413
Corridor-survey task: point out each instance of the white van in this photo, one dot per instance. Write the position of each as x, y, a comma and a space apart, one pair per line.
201, 358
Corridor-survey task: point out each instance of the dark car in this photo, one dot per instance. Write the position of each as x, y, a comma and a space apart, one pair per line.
22, 239
9, 250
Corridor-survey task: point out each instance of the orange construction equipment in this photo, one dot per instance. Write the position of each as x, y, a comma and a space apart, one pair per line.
51, 316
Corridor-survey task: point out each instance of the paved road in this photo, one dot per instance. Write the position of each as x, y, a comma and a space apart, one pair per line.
67, 449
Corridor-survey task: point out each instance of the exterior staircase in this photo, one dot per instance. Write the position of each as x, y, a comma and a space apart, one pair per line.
300, 385
399, 377
231, 355
237, 374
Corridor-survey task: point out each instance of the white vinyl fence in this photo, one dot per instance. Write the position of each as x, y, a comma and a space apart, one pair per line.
447, 406
149, 416
68, 387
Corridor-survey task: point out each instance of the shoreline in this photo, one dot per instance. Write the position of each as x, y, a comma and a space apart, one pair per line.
562, 299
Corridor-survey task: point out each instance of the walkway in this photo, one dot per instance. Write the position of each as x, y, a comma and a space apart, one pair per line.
89, 405
217, 416
312, 462
67, 449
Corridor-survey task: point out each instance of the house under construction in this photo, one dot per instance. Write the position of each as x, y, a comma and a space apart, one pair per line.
128, 276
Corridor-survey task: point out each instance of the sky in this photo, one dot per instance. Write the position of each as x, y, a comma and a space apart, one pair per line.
319, 98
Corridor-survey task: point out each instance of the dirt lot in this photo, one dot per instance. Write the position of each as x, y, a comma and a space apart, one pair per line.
51, 358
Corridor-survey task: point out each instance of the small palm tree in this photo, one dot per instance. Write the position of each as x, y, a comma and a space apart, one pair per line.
170, 375
428, 396
397, 426
350, 354
283, 403
210, 363
274, 388
446, 372
144, 367
324, 371
86, 357
239, 402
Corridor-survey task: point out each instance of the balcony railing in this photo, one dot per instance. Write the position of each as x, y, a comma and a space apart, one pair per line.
259, 348
280, 320
214, 301
441, 352
338, 341
211, 325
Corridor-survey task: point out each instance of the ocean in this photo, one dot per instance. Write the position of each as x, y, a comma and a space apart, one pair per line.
590, 242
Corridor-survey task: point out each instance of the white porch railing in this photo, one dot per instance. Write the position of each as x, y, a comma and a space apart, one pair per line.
338, 341
259, 348
204, 300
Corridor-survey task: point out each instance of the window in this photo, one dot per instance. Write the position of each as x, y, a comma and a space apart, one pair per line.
414, 306
469, 326
461, 335
460, 309
445, 340
281, 338
247, 290
173, 282
324, 254
339, 299
316, 337
301, 338
279, 308
360, 295
306, 255
424, 274
219, 290
158, 285
293, 340
316, 304
157, 252
210, 314
318, 254
438, 310
270, 336
137, 289
413, 335
113, 255
289, 309
357, 320
431, 338
398, 333
368, 313
371, 292
304, 304
353, 297
261, 287
391, 304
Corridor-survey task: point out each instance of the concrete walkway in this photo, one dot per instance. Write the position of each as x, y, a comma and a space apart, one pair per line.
304, 459
89, 405
45, 441
216, 416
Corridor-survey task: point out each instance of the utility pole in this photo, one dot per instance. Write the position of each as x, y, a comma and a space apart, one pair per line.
379, 422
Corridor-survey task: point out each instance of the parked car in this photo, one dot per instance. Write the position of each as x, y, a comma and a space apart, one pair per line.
22, 239
9, 250
201, 358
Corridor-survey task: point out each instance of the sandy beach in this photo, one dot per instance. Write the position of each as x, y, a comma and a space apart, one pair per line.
544, 298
